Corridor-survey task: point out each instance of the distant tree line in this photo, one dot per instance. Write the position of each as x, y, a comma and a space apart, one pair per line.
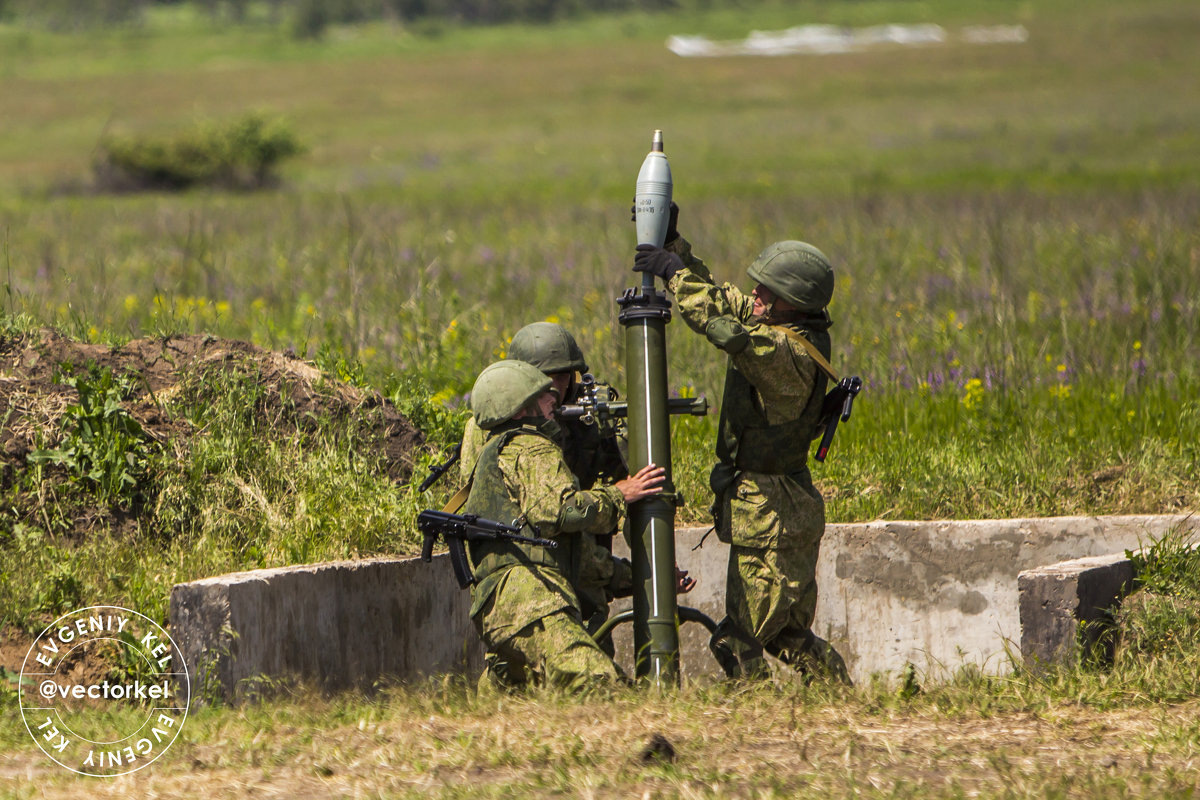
308, 18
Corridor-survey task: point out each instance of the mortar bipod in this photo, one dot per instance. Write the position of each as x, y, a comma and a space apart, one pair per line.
686, 614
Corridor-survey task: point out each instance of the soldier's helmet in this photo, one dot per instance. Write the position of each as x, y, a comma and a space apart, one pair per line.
797, 272
548, 347
503, 389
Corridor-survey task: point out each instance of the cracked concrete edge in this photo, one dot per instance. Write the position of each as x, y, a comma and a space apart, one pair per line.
939, 595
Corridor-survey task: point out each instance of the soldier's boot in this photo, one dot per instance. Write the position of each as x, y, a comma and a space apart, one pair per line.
737, 653
723, 653
809, 655
494, 680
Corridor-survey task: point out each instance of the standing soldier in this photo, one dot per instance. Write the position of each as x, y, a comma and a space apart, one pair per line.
766, 507
524, 602
593, 453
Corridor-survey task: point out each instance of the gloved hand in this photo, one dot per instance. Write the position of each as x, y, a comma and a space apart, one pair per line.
657, 261
672, 223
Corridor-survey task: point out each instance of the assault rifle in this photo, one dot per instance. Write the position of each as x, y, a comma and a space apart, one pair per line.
836, 408
459, 528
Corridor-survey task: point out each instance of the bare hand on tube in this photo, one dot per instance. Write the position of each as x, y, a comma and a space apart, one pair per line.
648, 481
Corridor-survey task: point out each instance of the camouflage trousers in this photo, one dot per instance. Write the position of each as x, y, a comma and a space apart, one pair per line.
531, 628
773, 525
602, 576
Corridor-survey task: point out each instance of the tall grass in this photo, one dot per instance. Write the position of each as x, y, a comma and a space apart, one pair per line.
1012, 344
254, 484
1014, 230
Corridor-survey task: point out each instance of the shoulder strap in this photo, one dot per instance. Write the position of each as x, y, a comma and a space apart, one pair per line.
812, 351
456, 502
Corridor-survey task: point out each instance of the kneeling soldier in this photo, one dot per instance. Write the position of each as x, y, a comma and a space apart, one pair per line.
592, 451
524, 603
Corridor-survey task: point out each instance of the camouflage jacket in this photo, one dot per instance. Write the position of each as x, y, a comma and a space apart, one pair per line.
521, 472
773, 387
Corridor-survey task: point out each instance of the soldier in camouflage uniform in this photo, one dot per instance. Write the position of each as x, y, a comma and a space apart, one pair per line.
593, 454
766, 507
524, 602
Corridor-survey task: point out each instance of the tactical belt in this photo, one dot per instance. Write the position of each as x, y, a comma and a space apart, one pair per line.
759, 449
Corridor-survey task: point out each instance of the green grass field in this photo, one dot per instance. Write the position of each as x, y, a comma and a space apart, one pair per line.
1014, 225
1016, 230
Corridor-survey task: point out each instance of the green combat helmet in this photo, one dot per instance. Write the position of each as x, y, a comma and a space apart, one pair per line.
797, 272
503, 389
548, 347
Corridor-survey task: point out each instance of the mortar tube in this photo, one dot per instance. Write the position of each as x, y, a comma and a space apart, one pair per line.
645, 314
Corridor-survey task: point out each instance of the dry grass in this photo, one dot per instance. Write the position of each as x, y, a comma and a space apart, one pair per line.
769, 741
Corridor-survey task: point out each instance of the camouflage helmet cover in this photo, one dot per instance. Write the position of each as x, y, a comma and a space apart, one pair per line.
797, 272
548, 347
503, 389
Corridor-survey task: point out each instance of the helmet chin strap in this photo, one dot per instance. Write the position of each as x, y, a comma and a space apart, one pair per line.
766, 315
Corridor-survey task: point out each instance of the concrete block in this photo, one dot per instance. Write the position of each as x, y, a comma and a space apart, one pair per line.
1065, 608
337, 625
939, 595
943, 595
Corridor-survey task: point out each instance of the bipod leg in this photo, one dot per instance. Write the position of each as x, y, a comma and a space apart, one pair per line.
686, 614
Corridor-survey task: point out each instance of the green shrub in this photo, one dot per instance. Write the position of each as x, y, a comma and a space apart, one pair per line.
243, 154
103, 446
311, 19
1170, 566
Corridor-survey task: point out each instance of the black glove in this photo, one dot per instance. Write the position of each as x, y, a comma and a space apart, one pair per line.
656, 261
672, 223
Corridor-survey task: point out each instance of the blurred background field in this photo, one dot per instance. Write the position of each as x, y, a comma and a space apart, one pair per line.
1015, 227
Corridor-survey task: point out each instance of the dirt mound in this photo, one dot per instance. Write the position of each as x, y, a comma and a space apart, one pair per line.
162, 380
33, 398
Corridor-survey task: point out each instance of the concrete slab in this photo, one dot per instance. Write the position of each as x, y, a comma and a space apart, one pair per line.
338, 625
1066, 607
938, 595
